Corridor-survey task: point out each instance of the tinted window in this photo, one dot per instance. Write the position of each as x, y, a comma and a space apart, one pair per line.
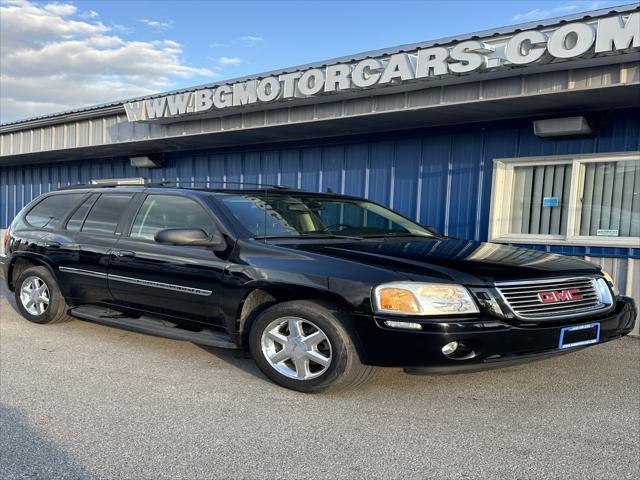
298, 215
106, 213
168, 211
75, 222
260, 217
50, 212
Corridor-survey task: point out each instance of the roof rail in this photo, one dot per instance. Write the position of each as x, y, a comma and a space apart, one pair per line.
80, 186
167, 183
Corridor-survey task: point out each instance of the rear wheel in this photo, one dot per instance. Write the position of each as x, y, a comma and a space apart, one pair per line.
38, 297
306, 346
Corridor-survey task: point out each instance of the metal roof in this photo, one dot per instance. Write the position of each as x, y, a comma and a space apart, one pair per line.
495, 32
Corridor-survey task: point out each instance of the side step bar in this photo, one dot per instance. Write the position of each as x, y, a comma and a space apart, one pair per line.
151, 326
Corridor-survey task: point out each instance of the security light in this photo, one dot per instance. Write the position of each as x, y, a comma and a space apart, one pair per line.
562, 127
146, 161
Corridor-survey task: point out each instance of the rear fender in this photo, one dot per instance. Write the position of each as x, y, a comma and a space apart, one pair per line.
20, 261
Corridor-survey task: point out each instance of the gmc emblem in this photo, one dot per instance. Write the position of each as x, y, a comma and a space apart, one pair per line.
560, 295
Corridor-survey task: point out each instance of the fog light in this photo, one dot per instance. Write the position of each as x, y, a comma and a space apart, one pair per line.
449, 348
410, 325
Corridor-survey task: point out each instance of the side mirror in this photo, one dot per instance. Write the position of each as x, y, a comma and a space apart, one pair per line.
190, 236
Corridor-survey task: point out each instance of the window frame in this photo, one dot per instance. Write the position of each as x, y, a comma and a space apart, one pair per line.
123, 216
502, 188
87, 198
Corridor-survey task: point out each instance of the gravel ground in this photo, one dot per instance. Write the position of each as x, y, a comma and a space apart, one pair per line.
80, 400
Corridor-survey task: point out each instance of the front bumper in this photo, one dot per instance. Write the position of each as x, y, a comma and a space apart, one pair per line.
494, 342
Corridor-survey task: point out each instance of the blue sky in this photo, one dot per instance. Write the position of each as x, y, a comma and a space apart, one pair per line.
268, 35
64, 54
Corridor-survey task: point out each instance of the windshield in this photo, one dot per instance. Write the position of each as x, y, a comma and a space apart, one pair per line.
283, 215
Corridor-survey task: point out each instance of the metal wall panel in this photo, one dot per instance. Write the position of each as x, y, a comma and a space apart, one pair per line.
440, 177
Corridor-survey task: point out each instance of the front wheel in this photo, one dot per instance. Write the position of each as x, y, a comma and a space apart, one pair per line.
305, 346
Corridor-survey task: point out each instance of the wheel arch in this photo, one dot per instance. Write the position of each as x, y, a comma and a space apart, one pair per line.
19, 263
262, 297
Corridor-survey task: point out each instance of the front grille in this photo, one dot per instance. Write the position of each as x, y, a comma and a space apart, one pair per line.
550, 299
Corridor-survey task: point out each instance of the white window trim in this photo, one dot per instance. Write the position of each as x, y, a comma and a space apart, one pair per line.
499, 223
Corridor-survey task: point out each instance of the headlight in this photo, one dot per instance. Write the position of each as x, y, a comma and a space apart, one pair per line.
609, 280
412, 298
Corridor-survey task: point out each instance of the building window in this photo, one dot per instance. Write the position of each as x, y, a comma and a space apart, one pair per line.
587, 200
610, 198
534, 187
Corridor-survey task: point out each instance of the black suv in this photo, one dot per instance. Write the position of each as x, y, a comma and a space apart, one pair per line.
319, 287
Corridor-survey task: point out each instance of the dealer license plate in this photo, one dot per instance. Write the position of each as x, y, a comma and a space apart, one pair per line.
579, 335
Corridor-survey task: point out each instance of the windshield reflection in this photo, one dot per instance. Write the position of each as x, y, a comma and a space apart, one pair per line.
287, 215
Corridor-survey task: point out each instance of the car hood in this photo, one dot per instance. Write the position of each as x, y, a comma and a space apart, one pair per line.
463, 261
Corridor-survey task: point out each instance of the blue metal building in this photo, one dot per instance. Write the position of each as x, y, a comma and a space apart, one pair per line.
447, 150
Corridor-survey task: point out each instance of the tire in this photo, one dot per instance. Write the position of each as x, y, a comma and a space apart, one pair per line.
326, 333
55, 311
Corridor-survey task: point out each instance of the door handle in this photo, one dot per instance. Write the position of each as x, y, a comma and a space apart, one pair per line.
125, 253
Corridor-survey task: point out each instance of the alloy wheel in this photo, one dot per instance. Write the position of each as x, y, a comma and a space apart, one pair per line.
34, 295
296, 348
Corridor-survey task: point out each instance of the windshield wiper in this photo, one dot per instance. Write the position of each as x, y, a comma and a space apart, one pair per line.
308, 235
398, 234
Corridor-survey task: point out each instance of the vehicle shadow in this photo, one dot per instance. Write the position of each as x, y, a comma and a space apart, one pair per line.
237, 358
5, 294
26, 453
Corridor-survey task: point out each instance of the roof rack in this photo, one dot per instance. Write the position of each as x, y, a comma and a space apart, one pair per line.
171, 184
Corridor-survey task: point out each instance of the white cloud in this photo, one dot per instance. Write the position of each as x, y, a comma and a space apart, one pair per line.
89, 14
50, 61
156, 23
250, 40
121, 28
61, 9
245, 41
596, 5
538, 13
229, 61
541, 13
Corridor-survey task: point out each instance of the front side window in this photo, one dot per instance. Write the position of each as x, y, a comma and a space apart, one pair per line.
594, 200
169, 211
106, 212
50, 212
283, 215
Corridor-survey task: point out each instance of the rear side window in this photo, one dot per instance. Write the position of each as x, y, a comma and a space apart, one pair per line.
76, 220
106, 213
50, 212
169, 211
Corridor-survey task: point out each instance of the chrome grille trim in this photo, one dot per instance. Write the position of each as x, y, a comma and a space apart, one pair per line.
521, 297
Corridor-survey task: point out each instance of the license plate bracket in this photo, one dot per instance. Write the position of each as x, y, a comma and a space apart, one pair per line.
579, 335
